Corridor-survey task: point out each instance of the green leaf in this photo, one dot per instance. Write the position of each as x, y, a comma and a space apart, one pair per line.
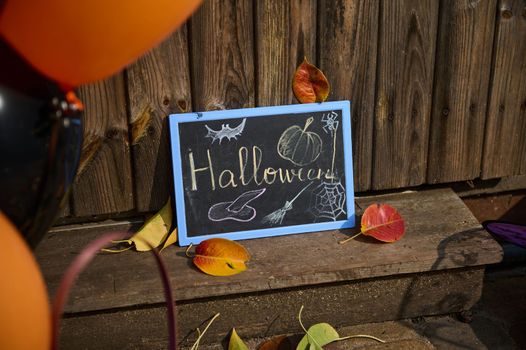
318, 336
235, 342
321, 334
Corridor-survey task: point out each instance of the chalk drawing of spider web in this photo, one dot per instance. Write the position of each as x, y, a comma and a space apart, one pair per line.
328, 200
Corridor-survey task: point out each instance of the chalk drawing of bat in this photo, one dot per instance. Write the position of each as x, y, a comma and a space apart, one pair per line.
225, 132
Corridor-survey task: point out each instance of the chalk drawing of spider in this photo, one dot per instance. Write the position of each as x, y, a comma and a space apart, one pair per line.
330, 122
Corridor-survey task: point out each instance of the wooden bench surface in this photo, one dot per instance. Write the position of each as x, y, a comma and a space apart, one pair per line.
441, 233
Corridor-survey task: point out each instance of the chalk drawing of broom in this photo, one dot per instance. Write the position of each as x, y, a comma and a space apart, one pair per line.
277, 216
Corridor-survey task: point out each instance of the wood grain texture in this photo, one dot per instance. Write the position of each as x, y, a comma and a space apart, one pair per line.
441, 234
462, 72
65, 209
404, 90
273, 313
222, 52
158, 85
348, 49
505, 143
104, 179
285, 34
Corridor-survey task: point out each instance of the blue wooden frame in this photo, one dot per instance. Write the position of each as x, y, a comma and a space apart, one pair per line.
176, 119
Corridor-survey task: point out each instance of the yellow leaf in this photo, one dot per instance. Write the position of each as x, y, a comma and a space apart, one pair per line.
235, 342
154, 232
220, 257
171, 239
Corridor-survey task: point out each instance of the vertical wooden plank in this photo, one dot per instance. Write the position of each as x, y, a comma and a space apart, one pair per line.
285, 34
65, 211
222, 44
462, 72
505, 144
404, 87
158, 84
104, 180
348, 51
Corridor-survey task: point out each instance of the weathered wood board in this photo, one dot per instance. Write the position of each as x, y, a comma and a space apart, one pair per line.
348, 49
406, 56
222, 53
433, 84
104, 179
158, 84
285, 34
505, 143
441, 234
275, 312
462, 72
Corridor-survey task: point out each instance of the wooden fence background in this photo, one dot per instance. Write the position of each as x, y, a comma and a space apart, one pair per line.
438, 91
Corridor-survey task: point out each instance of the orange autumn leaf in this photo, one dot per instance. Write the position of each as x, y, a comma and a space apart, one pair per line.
382, 222
220, 257
280, 342
310, 84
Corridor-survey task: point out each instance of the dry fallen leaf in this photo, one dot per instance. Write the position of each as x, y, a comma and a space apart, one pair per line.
382, 222
280, 342
310, 84
220, 257
171, 239
154, 232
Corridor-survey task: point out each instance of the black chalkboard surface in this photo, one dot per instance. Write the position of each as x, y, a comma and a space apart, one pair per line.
259, 172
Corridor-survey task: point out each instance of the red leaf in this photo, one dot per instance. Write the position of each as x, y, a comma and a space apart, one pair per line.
280, 342
310, 84
383, 222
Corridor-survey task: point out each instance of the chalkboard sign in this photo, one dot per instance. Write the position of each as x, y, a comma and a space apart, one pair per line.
260, 172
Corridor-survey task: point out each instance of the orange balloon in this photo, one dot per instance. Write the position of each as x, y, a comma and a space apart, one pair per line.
80, 41
25, 317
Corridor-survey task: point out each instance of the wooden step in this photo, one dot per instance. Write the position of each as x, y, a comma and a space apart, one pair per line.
436, 268
424, 333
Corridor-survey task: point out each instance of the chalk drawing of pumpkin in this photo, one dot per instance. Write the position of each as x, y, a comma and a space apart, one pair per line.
300, 146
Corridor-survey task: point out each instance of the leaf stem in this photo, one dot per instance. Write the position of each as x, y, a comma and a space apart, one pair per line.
119, 241
186, 252
196, 344
350, 238
361, 336
306, 331
108, 250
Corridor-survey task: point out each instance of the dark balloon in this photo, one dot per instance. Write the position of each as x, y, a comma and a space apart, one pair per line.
40, 141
